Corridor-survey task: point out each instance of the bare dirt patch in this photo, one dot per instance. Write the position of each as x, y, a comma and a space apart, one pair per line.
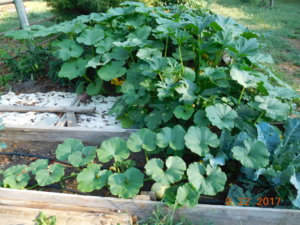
295, 43
290, 70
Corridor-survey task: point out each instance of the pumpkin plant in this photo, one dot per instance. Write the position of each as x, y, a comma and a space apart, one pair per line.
201, 93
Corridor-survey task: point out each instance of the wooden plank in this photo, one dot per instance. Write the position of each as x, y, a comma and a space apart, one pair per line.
20, 215
71, 119
59, 134
82, 109
201, 214
12, 2
63, 119
7, 3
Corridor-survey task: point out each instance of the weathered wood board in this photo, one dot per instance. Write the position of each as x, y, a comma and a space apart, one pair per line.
11, 215
75, 109
59, 134
201, 214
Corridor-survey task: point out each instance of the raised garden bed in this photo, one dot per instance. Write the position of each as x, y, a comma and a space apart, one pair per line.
206, 103
65, 205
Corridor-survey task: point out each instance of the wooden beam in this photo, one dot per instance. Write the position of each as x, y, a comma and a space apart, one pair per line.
71, 119
12, 2
201, 214
13, 215
59, 134
63, 119
82, 109
22, 14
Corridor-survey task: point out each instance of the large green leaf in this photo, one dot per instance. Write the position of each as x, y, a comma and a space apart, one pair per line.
207, 180
39, 164
65, 149
91, 36
292, 131
82, 157
173, 137
136, 38
142, 139
186, 89
246, 47
243, 77
295, 180
198, 140
73, 69
75, 152
148, 53
126, 185
50, 175
114, 148
175, 169
221, 115
254, 154
268, 134
184, 111
187, 195
274, 108
67, 49
104, 45
16, 177
94, 88
200, 118
112, 70
92, 178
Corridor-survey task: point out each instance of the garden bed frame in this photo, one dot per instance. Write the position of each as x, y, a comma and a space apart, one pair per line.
15, 203
59, 134
37, 201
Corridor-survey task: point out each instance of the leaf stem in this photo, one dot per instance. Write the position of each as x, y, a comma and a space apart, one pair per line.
88, 79
260, 115
166, 49
131, 56
181, 60
146, 156
62, 179
93, 50
147, 179
241, 95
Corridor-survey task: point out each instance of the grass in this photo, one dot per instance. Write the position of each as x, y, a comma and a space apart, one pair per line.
279, 28
36, 10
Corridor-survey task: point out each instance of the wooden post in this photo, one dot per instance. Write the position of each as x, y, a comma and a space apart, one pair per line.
23, 19
22, 14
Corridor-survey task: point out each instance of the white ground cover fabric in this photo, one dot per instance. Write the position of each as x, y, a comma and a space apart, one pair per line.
99, 119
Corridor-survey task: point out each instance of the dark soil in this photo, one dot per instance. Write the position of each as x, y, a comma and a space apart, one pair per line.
41, 85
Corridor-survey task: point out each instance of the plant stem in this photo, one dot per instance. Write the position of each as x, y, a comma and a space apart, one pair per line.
62, 179
131, 56
166, 49
93, 50
146, 156
181, 60
147, 179
260, 115
161, 78
88, 79
241, 95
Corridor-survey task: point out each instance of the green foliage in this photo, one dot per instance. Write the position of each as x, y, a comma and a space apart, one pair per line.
92, 178
32, 65
127, 184
82, 6
43, 219
197, 109
175, 170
